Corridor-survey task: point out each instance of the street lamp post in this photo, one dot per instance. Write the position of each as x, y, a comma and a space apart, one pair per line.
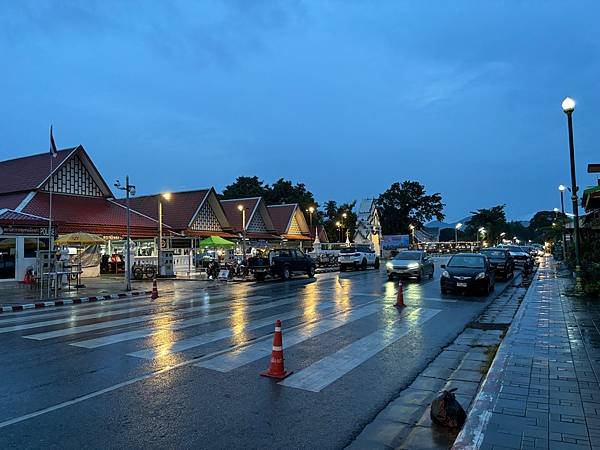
243, 211
568, 106
339, 227
482, 231
311, 210
129, 190
562, 188
166, 196
502, 236
456, 228
411, 227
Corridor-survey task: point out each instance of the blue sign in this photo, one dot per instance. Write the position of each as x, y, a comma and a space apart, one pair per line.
395, 241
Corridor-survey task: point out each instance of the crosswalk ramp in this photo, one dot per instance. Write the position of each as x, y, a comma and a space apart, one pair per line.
155, 332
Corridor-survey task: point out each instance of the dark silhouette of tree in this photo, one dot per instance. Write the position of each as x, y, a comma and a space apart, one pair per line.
245, 187
408, 203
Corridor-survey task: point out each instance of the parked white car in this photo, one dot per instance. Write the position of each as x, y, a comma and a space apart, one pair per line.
358, 257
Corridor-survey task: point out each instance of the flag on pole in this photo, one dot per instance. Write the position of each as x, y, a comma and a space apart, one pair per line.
53, 149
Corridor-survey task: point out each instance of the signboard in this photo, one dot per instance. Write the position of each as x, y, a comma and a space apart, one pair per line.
223, 274
395, 241
20, 230
170, 243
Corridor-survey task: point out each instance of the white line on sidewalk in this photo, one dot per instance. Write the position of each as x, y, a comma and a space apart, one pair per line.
321, 374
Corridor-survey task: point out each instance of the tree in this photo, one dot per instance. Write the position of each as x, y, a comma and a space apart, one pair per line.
547, 226
245, 187
492, 219
283, 191
407, 203
333, 213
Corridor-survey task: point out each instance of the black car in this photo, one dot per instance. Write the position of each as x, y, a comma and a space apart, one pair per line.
282, 263
468, 272
501, 260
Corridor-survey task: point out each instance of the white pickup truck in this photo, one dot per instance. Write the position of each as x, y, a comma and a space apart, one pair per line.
358, 257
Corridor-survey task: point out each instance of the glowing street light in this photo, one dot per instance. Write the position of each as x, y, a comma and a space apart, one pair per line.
456, 228
311, 210
166, 196
482, 231
242, 209
568, 106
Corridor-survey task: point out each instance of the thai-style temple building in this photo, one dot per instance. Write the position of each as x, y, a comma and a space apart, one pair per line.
368, 225
259, 226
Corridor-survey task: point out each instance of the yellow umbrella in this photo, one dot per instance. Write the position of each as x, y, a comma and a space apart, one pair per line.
79, 238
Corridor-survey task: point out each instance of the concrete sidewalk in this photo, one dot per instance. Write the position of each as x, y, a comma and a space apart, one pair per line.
542, 390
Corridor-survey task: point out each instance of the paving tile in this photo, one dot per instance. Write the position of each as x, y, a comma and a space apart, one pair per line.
384, 433
415, 397
428, 383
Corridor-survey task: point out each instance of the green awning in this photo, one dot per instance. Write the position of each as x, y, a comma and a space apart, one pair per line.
216, 241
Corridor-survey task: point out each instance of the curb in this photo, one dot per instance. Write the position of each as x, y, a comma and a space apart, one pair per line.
72, 301
472, 433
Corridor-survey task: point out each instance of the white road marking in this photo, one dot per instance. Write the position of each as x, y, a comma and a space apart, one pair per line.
321, 374
126, 321
254, 352
196, 341
429, 299
176, 325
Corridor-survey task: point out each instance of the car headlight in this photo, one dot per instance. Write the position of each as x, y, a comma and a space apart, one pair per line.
445, 274
412, 265
480, 276
389, 265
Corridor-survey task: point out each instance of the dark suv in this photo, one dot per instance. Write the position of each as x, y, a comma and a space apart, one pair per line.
501, 260
282, 263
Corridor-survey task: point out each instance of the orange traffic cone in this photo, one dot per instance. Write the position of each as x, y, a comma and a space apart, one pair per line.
400, 299
154, 295
276, 369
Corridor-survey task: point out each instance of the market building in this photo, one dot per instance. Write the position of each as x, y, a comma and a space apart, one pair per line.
259, 228
290, 224
81, 202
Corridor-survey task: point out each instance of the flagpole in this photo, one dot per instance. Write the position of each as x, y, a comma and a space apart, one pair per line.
50, 213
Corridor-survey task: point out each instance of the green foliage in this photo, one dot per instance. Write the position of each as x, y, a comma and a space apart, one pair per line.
407, 203
245, 187
333, 213
492, 219
547, 226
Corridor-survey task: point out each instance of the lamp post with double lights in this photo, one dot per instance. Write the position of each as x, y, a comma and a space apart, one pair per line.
242, 209
161, 266
129, 190
568, 106
561, 189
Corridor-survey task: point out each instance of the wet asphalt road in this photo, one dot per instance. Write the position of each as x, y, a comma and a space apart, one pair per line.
183, 372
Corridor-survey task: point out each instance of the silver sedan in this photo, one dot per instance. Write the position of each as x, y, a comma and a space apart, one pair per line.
410, 263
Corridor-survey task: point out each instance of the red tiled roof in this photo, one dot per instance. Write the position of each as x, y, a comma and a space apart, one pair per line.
91, 211
178, 211
281, 216
27, 173
234, 216
13, 217
11, 201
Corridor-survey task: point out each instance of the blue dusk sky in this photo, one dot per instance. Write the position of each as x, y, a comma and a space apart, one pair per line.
345, 96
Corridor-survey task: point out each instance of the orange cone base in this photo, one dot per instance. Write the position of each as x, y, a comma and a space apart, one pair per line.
279, 376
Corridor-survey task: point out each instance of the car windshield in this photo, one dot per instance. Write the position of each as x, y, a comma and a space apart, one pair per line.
349, 250
475, 262
408, 256
514, 248
494, 253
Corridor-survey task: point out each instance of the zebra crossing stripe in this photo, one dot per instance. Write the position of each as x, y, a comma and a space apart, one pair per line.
202, 339
329, 369
245, 355
174, 326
